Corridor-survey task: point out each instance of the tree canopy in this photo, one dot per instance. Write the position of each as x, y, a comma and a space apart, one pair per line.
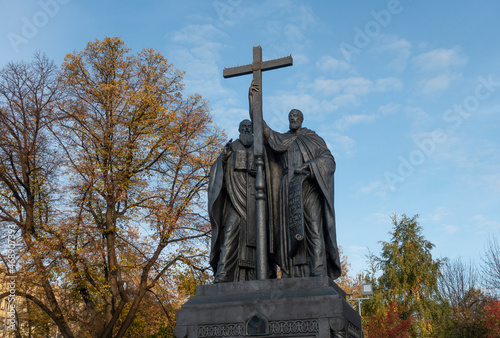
104, 164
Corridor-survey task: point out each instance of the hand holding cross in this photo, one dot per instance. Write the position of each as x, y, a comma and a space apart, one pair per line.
255, 100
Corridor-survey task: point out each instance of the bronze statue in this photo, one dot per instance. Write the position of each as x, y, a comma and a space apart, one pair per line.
300, 180
272, 198
231, 206
294, 211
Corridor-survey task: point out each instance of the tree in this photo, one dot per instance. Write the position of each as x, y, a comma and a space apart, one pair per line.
491, 266
459, 287
391, 324
28, 184
138, 154
409, 274
103, 169
492, 319
346, 282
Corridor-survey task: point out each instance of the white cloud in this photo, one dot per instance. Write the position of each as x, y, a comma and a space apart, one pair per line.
450, 229
288, 25
377, 188
330, 64
416, 114
399, 49
198, 35
379, 218
438, 69
301, 12
300, 59
356, 85
367, 189
326, 86
227, 114
293, 33
353, 85
389, 108
345, 100
492, 181
195, 49
340, 143
483, 223
439, 59
350, 91
439, 213
280, 105
349, 120
438, 83
326, 95
388, 84
357, 248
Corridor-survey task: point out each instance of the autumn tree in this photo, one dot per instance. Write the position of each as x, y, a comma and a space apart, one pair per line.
138, 153
492, 319
460, 287
348, 283
393, 322
28, 181
103, 169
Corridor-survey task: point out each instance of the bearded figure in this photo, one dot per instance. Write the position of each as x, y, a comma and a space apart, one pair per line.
231, 206
301, 181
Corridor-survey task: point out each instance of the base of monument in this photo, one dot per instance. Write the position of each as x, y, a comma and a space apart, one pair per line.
288, 307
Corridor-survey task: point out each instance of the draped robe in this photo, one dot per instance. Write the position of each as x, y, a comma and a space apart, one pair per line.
231, 206
318, 253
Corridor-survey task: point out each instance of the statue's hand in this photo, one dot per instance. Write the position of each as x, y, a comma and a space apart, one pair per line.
254, 88
304, 169
252, 170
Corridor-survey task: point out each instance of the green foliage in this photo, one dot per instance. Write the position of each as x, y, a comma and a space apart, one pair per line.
165, 331
443, 297
188, 280
408, 277
466, 319
459, 287
409, 271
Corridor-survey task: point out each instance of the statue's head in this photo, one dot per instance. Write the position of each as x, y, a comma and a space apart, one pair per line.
246, 133
295, 118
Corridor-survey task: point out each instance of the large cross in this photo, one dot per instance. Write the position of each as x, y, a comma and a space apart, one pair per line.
256, 68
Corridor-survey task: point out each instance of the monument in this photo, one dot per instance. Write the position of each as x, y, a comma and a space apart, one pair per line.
271, 204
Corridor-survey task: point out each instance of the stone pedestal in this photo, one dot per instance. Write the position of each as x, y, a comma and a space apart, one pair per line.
289, 307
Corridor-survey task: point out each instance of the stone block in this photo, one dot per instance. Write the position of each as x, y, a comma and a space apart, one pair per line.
289, 307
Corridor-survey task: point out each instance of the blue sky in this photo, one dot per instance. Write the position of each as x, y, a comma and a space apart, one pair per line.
405, 93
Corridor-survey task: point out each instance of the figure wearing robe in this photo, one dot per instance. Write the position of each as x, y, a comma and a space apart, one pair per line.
301, 151
231, 206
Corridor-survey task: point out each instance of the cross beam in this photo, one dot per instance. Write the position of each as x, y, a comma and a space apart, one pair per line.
266, 65
256, 68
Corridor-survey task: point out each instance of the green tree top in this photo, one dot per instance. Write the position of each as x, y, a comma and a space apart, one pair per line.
409, 271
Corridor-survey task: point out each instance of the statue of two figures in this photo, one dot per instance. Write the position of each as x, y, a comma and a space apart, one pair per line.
300, 215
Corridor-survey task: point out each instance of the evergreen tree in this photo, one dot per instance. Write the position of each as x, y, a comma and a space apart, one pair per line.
409, 274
